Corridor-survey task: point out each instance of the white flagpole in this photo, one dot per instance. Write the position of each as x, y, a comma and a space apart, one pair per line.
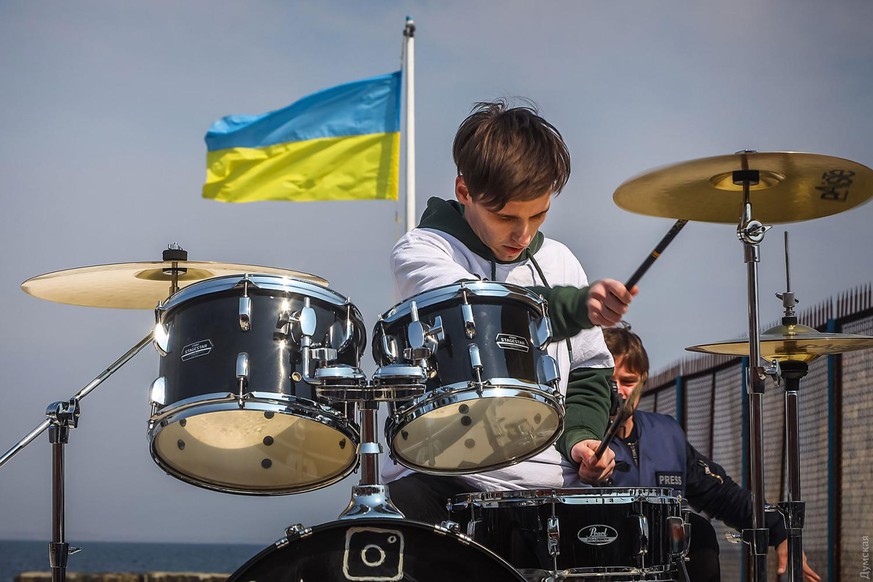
409, 76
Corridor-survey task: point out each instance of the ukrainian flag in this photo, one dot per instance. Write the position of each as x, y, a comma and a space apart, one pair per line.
341, 143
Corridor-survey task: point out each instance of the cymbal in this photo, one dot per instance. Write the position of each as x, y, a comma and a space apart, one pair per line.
137, 285
791, 186
791, 342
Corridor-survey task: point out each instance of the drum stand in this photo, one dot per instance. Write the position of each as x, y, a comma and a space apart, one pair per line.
751, 234
62, 417
369, 498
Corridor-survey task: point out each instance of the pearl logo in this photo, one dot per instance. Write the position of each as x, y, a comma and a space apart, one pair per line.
597, 535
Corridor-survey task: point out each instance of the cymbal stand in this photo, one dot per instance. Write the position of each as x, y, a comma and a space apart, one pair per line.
751, 233
61, 417
793, 510
369, 498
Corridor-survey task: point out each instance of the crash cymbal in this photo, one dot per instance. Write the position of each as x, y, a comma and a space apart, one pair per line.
791, 342
791, 186
137, 285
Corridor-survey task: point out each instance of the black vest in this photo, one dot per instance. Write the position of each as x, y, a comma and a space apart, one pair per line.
661, 445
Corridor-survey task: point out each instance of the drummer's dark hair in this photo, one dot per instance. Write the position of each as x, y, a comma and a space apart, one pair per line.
621, 341
510, 154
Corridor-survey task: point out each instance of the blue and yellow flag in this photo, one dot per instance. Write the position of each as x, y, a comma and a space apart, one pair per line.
341, 143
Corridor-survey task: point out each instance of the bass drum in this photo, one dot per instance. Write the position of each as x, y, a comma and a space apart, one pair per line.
374, 550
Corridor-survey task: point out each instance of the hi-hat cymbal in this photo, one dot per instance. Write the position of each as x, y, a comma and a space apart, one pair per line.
137, 285
791, 186
791, 342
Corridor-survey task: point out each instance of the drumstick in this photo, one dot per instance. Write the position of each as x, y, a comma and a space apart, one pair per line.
620, 418
638, 274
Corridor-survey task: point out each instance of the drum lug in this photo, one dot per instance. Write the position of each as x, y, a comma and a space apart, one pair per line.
678, 535
469, 321
161, 338
553, 531
242, 373
451, 526
472, 526
642, 525
158, 394
341, 333
389, 346
541, 332
245, 313
476, 366
548, 369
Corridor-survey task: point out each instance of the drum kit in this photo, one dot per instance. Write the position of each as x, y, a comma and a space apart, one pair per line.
260, 392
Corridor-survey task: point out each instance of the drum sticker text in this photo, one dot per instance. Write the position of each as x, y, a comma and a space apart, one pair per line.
196, 349
373, 554
597, 535
512, 342
669, 478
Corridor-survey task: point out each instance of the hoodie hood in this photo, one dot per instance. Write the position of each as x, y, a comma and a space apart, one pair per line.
448, 216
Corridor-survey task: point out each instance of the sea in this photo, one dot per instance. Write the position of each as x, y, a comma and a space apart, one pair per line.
28, 556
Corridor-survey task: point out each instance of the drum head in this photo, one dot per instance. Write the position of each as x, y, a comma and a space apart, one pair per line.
375, 550
464, 432
264, 449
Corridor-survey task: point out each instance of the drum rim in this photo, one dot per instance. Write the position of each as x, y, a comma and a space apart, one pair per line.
221, 488
229, 402
477, 289
545, 495
257, 400
268, 281
294, 534
508, 387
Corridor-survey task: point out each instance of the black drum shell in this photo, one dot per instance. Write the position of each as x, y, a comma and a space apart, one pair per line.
430, 554
503, 315
514, 525
213, 318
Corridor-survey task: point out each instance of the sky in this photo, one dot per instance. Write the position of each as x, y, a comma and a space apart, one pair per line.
103, 109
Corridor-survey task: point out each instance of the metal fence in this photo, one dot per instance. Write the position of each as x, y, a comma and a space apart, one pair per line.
707, 395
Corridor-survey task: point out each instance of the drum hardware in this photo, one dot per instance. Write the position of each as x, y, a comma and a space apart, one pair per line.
370, 498
242, 374
782, 187
61, 418
423, 339
792, 346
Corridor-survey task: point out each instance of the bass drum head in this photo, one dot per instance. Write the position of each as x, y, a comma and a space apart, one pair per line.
375, 550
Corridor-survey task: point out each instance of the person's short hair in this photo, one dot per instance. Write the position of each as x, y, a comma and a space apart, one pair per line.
509, 154
621, 341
